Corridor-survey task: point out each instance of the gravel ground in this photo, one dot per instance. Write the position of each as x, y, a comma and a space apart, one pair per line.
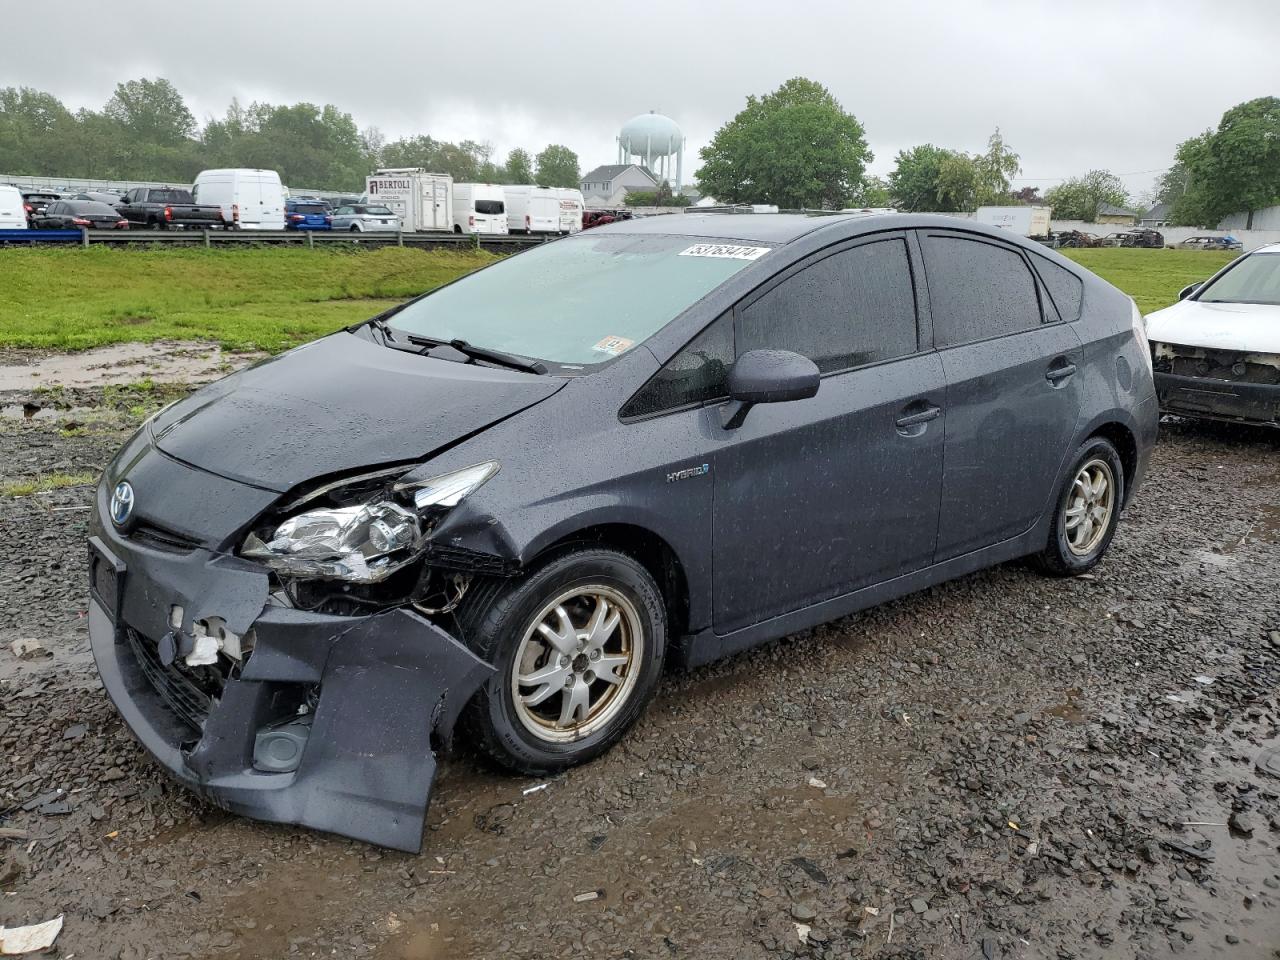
1003, 766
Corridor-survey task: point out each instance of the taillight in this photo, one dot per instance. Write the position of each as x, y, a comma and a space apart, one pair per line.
471, 221
528, 221
328, 219
296, 216
123, 224
168, 213
235, 213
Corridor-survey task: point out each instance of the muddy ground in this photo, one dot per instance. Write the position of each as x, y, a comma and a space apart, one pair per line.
1005, 766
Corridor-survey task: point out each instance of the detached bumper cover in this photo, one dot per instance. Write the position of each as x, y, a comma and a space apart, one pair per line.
1219, 399
388, 684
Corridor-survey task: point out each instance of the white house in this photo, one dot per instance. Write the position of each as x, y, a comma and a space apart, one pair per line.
607, 186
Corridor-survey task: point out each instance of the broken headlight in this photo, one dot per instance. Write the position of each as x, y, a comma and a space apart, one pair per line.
365, 542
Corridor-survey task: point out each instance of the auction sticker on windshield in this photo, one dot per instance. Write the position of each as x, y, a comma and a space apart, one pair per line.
725, 251
614, 345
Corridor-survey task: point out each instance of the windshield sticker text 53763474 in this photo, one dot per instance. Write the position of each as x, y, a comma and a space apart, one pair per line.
724, 251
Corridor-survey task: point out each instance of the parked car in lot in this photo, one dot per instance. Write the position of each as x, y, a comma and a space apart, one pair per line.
13, 214
36, 201
1211, 243
110, 199
249, 199
75, 214
365, 218
304, 575
159, 208
307, 215
1217, 350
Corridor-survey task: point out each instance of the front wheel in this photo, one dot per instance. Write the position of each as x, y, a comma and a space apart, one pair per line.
578, 645
1086, 511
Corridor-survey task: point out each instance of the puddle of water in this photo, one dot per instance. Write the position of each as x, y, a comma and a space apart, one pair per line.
163, 361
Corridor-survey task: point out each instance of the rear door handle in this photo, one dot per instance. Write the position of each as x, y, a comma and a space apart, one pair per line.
1060, 372
923, 416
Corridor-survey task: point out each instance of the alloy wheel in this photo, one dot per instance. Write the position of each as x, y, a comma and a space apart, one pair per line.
1089, 507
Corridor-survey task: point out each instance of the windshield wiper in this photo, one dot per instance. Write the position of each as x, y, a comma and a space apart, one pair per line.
513, 360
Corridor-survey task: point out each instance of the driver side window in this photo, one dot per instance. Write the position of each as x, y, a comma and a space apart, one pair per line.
697, 374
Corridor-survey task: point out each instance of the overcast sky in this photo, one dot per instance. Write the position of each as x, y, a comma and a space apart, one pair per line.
1073, 84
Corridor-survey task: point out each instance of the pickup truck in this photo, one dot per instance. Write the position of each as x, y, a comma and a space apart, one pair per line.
161, 208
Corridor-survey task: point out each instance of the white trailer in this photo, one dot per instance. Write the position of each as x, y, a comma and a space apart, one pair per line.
421, 199
532, 209
571, 208
1027, 221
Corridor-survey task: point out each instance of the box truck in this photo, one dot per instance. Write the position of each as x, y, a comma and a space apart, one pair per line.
421, 199
571, 209
1028, 221
479, 208
532, 209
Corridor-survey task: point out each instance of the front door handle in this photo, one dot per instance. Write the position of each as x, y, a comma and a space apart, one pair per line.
912, 424
1057, 374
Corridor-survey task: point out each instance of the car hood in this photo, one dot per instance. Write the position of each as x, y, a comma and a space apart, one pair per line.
338, 405
1247, 327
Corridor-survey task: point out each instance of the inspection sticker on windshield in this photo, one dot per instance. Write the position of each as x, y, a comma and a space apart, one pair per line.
725, 251
614, 345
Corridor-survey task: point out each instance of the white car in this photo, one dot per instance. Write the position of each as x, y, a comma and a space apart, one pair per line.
1217, 350
365, 218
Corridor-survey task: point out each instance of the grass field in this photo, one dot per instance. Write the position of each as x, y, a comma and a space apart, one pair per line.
267, 299
272, 298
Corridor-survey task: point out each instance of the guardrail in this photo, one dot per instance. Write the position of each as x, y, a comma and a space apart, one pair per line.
307, 238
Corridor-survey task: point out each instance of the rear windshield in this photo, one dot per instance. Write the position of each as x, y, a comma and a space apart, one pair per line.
91, 208
169, 196
310, 208
1255, 279
374, 211
579, 301
490, 206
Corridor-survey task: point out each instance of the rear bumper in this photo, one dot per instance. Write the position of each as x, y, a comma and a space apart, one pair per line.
383, 688
1219, 399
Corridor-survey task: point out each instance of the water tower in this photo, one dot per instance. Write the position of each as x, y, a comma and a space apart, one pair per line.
653, 140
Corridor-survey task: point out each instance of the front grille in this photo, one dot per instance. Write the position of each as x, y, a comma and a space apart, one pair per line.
159, 538
179, 692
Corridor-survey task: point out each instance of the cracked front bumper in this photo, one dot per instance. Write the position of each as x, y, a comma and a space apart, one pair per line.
388, 685
1219, 399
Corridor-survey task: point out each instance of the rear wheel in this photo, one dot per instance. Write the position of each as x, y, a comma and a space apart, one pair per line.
355, 228
578, 645
1086, 512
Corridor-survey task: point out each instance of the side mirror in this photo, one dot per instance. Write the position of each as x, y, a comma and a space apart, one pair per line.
767, 376
1189, 289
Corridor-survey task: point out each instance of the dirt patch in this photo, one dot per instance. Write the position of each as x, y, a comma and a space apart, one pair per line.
163, 361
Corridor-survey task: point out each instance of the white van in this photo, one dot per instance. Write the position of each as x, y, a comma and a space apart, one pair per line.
479, 208
13, 214
571, 208
532, 209
250, 199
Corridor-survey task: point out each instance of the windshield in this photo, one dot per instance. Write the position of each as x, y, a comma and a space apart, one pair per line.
1255, 279
577, 301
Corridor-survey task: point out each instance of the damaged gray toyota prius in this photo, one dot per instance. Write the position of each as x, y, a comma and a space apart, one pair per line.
503, 505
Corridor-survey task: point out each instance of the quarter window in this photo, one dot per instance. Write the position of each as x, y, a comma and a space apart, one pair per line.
1065, 288
851, 308
978, 290
696, 374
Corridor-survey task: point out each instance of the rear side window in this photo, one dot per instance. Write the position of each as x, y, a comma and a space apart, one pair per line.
696, 374
1065, 288
490, 206
851, 308
977, 290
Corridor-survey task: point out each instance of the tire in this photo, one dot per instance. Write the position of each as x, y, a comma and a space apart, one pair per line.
355, 228
499, 620
1073, 550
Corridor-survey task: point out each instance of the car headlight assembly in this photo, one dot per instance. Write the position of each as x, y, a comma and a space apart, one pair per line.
365, 542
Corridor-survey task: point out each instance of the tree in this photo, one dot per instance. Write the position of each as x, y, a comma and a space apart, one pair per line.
871, 191
1028, 195
995, 170
558, 167
794, 147
1078, 198
519, 166
1233, 169
152, 111
934, 179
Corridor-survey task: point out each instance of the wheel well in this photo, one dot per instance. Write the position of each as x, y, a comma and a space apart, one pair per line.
654, 553
1122, 439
